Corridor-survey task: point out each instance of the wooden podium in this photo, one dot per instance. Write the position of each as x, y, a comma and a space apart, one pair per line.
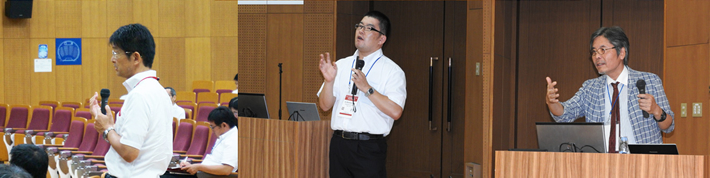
281, 148
557, 164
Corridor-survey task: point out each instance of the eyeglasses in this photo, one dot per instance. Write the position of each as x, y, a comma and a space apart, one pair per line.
212, 127
367, 28
600, 51
115, 54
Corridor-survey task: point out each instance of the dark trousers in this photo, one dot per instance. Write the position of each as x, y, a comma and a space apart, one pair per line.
356, 158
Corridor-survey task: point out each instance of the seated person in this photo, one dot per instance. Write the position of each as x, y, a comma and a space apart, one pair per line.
12, 171
175, 111
31, 158
236, 81
223, 158
233, 106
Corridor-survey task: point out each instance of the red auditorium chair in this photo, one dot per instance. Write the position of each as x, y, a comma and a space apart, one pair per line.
40, 119
61, 121
71, 104
203, 110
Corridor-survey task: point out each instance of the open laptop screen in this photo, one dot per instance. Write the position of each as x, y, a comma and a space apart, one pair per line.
299, 111
571, 137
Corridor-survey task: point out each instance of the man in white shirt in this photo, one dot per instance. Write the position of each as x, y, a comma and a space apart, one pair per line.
236, 82
361, 119
224, 158
175, 111
141, 137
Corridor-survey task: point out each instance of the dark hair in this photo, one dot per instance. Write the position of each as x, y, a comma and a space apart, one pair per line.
233, 103
384, 21
236, 77
172, 91
616, 37
220, 115
12, 171
31, 158
135, 38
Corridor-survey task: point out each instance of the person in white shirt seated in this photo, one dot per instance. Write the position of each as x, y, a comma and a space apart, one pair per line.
223, 158
175, 111
236, 81
233, 106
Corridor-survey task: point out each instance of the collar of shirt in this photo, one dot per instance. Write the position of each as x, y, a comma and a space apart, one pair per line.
623, 77
131, 82
369, 59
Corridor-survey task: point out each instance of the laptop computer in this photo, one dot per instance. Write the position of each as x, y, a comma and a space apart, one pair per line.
571, 137
669, 148
300, 111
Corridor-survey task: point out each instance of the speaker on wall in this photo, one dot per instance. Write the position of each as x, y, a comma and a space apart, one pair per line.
18, 8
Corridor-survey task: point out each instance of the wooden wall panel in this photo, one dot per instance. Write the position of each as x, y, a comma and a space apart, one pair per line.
121, 14
686, 81
43, 85
18, 62
196, 13
285, 45
173, 63
505, 70
93, 18
223, 53
688, 22
15, 28
145, 12
223, 23
318, 39
198, 59
69, 85
42, 24
96, 57
3, 79
171, 21
252, 53
67, 19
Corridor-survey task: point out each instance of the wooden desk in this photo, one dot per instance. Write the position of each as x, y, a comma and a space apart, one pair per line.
556, 164
280, 148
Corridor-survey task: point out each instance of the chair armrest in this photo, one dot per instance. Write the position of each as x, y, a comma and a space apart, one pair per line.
82, 152
67, 148
98, 162
192, 156
34, 132
93, 157
179, 152
196, 160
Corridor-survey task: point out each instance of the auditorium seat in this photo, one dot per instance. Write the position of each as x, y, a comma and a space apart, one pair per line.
188, 113
197, 93
207, 85
115, 101
83, 112
61, 120
185, 96
207, 97
4, 113
53, 104
203, 110
88, 143
72, 104
94, 156
226, 97
19, 115
188, 105
73, 140
40, 119
225, 85
183, 137
200, 139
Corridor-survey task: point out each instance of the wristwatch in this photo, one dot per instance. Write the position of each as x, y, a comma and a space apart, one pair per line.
370, 92
106, 133
663, 117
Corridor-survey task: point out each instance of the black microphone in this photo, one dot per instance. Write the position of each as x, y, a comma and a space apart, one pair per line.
104, 99
641, 85
358, 66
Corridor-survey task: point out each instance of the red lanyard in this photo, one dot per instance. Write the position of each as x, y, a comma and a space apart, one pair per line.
139, 82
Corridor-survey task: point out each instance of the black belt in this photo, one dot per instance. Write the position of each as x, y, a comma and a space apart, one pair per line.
356, 136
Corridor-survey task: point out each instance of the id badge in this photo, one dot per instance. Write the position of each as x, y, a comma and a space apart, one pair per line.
347, 108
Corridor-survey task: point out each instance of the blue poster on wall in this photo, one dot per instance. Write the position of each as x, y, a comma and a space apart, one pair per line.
68, 51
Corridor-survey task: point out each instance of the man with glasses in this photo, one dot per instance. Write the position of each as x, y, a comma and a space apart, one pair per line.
614, 98
223, 159
141, 136
362, 118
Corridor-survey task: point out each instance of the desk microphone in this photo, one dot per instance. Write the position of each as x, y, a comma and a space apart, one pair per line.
104, 99
358, 66
641, 86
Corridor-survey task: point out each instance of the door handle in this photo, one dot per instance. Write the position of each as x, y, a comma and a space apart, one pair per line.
431, 90
448, 115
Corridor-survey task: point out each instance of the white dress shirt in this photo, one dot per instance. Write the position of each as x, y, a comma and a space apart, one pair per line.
385, 76
177, 111
625, 124
143, 123
225, 150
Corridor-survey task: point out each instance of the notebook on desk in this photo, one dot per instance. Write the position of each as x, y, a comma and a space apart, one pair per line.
571, 137
669, 148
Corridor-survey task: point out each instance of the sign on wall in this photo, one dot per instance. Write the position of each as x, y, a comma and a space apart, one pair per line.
68, 51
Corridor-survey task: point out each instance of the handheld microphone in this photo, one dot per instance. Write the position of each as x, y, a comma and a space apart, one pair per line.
104, 99
358, 65
641, 85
